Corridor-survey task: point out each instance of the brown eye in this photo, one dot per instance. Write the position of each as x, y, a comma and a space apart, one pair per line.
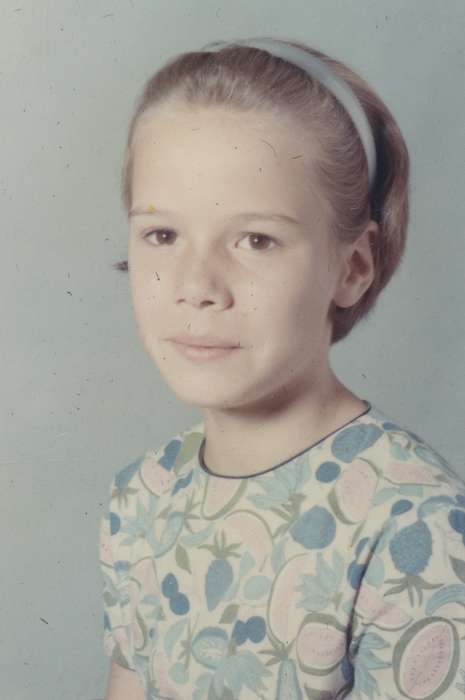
160, 239
266, 240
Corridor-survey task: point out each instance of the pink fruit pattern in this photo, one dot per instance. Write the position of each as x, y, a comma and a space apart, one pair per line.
337, 574
435, 639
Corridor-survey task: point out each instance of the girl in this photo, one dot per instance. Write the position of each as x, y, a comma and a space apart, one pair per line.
297, 543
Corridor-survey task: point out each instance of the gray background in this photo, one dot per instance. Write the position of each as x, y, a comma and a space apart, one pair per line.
80, 398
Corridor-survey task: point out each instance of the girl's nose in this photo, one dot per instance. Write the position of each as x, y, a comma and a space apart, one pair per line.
202, 282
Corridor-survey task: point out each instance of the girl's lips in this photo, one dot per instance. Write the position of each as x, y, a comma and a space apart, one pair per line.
204, 341
196, 352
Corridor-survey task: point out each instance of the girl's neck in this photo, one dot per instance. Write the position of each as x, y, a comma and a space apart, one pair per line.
246, 443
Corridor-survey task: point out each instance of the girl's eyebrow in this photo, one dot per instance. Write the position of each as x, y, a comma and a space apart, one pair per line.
246, 216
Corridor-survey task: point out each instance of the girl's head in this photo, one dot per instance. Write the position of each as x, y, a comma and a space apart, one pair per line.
216, 135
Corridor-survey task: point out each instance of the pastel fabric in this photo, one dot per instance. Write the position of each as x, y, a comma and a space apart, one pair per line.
337, 574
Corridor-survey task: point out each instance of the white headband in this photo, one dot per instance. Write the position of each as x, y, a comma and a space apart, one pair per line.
325, 75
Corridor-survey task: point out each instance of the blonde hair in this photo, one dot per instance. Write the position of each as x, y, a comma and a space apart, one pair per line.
248, 79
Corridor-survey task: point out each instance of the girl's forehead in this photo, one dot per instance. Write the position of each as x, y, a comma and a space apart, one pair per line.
219, 154
222, 143
167, 119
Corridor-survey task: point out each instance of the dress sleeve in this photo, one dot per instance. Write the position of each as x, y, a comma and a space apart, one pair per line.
117, 633
408, 626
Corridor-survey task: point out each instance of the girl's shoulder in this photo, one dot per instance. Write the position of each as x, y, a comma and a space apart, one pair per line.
401, 456
398, 479
155, 470
375, 469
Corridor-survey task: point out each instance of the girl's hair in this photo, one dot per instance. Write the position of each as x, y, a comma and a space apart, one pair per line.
247, 79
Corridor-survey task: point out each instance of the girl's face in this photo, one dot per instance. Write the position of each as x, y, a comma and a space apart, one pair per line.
207, 258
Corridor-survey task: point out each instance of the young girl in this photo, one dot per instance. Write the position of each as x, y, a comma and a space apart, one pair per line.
297, 543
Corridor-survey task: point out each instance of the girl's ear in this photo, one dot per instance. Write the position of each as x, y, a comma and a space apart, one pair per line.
357, 267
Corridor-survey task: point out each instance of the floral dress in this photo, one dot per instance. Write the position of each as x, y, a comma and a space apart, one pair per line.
338, 573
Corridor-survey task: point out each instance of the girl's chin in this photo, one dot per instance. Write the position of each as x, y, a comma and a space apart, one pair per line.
200, 390
220, 393
204, 396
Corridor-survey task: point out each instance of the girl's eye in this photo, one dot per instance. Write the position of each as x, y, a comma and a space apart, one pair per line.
253, 237
257, 237
154, 232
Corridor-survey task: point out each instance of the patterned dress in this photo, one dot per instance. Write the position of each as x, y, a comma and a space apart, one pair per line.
339, 573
